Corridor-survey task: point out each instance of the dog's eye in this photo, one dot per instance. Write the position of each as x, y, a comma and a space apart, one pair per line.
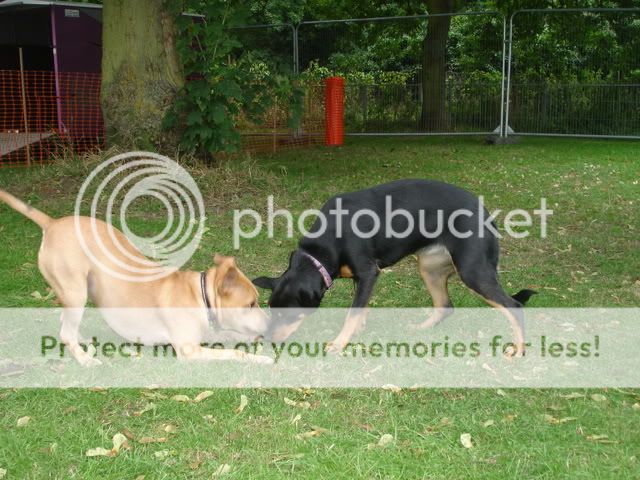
252, 305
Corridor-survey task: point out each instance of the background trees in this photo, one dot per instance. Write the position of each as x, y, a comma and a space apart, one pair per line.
234, 70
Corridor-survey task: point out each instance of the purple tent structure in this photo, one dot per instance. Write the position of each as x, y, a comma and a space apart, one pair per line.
56, 47
58, 36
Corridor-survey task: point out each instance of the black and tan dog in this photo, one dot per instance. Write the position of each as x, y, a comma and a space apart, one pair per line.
463, 245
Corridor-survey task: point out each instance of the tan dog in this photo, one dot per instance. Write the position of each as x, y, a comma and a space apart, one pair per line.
76, 277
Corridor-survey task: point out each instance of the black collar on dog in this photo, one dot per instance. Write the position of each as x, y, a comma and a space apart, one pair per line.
211, 317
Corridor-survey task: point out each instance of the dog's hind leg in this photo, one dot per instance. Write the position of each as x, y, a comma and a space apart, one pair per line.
435, 267
72, 293
74, 301
482, 278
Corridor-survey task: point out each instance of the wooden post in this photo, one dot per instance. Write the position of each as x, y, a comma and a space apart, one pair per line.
24, 107
275, 126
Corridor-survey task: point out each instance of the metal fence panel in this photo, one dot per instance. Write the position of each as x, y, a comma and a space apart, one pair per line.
564, 82
272, 50
382, 60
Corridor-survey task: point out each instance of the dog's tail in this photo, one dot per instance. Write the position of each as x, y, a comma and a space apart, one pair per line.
42, 219
523, 296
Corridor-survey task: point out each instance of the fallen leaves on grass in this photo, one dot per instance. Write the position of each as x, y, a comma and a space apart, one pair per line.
180, 398
636, 406
285, 457
488, 423
315, 432
293, 403
305, 391
161, 454
147, 408
601, 438
119, 441
38, 296
50, 450
557, 421
501, 392
152, 440
3, 472
152, 395
244, 401
295, 419
222, 470
598, 397
392, 388
573, 396
384, 441
444, 421
465, 440
23, 421
99, 452
170, 428
202, 396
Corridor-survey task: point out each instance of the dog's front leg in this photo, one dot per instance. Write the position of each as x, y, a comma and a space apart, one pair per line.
357, 316
185, 352
71, 318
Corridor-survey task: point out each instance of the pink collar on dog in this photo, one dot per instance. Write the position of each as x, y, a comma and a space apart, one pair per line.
323, 271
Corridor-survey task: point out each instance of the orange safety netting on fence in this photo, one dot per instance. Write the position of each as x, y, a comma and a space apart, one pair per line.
273, 132
42, 114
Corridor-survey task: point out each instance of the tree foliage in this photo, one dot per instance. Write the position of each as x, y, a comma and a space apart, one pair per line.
236, 72
224, 79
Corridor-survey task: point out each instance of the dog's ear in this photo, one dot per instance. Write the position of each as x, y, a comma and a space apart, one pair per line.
227, 274
220, 260
265, 282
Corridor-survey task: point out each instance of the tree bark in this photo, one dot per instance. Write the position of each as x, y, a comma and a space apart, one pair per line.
434, 66
141, 73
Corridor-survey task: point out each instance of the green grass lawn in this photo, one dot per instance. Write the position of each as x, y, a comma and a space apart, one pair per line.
589, 259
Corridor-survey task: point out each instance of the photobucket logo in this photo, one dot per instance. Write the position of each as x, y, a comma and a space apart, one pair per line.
393, 222
113, 187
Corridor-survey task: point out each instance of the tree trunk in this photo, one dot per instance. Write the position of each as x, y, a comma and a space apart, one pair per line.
434, 66
141, 73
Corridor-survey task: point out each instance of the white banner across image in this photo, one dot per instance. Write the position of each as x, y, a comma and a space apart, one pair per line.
565, 348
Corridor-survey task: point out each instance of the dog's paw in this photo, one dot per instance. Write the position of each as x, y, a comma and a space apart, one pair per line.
514, 352
334, 347
88, 361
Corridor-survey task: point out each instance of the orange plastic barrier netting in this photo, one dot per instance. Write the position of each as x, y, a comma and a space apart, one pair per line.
273, 133
40, 119
41, 115
334, 113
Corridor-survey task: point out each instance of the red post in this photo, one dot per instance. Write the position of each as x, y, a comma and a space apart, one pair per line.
334, 110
